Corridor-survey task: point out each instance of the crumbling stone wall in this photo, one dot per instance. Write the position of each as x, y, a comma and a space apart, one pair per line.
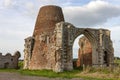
9, 61
53, 40
100, 42
28, 51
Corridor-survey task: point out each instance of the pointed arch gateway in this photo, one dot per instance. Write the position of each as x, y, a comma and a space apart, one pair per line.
93, 41
70, 33
95, 36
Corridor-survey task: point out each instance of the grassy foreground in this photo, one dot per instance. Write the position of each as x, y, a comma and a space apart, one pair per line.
86, 74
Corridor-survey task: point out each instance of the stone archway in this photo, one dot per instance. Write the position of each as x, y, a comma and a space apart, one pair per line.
91, 37
99, 39
70, 33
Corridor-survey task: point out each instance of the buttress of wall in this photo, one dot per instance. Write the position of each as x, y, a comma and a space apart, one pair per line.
58, 32
29, 44
63, 49
108, 47
106, 56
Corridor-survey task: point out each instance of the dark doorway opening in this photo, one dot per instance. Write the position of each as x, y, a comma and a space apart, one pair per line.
106, 58
6, 65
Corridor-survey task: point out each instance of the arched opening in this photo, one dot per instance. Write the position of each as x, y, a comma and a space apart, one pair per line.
82, 52
75, 52
91, 55
106, 58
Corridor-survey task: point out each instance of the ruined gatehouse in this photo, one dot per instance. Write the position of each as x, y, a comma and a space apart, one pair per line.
50, 46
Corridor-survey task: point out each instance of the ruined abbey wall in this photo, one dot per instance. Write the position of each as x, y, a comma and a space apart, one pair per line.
9, 61
50, 47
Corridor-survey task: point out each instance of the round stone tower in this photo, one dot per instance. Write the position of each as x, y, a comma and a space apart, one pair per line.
47, 18
43, 55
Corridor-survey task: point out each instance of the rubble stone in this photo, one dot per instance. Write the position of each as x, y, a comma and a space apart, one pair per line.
9, 61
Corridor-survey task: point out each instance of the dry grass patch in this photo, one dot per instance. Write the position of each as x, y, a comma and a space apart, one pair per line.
96, 75
103, 73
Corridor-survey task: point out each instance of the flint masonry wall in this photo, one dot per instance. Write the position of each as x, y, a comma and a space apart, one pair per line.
9, 61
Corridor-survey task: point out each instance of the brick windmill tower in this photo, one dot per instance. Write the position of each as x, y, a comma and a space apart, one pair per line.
41, 55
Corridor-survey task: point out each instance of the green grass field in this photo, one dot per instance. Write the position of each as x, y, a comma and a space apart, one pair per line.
51, 74
87, 74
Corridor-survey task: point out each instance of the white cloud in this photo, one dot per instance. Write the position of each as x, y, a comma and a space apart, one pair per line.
30, 5
96, 12
7, 3
47, 2
30, 9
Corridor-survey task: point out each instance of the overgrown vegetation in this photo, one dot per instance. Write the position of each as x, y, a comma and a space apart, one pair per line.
117, 61
112, 73
87, 73
20, 64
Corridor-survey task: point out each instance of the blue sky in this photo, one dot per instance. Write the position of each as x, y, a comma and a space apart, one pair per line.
18, 17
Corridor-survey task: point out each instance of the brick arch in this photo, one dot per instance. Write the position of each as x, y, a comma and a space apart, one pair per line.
91, 37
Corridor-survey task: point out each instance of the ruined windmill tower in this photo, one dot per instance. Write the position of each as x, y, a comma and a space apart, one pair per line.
43, 49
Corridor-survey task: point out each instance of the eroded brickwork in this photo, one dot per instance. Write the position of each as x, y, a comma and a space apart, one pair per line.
84, 52
45, 45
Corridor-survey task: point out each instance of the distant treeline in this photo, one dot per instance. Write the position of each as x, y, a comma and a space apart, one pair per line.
117, 58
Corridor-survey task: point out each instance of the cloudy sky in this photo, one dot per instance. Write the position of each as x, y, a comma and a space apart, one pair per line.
17, 19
